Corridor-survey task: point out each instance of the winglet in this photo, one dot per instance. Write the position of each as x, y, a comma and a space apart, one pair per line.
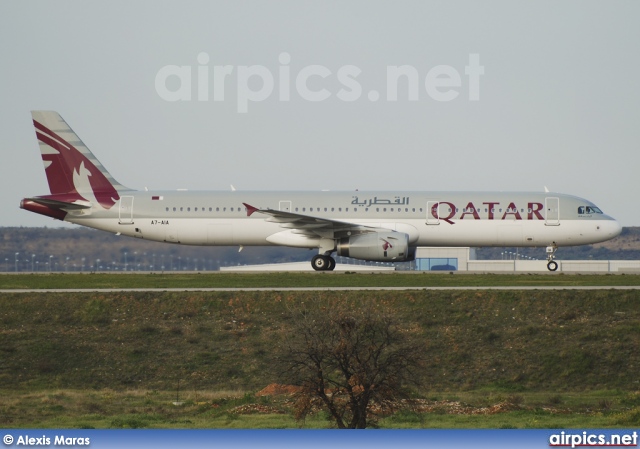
250, 209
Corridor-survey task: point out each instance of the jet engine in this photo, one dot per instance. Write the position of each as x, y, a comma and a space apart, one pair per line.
377, 246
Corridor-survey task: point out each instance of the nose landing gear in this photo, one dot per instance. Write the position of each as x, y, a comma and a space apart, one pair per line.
552, 265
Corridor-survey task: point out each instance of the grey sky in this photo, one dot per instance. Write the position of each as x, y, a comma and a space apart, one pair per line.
558, 107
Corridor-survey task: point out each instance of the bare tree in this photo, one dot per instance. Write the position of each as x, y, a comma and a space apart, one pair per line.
348, 358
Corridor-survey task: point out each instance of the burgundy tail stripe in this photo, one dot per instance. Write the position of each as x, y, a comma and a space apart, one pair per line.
50, 134
49, 141
63, 143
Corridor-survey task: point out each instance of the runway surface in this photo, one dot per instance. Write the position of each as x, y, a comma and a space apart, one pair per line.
312, 289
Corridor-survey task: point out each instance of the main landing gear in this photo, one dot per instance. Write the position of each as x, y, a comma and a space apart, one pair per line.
552, 265
323, 263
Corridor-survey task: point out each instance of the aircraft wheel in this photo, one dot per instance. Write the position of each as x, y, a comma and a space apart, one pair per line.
320, 263
332, 263
552, 266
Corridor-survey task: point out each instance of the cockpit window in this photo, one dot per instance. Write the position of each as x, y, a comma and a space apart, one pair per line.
582, 210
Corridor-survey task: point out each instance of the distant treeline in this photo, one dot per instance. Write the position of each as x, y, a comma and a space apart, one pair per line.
81, 249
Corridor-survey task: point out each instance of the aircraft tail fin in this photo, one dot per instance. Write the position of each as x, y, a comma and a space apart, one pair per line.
72, 170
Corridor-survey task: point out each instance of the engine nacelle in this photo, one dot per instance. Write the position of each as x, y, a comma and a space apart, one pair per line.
377, 246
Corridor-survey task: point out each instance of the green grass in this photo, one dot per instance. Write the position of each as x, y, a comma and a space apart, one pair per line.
119, 359
505, 341
136, 409
275, 280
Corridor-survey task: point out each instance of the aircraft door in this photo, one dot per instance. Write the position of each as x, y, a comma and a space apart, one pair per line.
285, 206
433, 212
126, 210
552, 211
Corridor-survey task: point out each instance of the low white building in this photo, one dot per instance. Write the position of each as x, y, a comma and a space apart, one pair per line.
463, 259
443, 258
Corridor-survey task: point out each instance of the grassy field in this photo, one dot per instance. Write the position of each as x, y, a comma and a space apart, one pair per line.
111, 360
275, 280
103, 409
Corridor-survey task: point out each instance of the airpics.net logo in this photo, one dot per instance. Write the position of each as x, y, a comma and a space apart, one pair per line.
313, 83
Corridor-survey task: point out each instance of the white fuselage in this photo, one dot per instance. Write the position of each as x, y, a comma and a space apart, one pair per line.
428, 218
376, 226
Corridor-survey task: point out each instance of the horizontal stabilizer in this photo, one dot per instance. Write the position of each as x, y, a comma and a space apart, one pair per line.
56, 207
56, 204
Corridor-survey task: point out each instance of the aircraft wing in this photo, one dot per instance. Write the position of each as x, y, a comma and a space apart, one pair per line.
312, 226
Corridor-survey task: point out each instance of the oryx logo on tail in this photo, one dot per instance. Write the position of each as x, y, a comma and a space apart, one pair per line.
71, 169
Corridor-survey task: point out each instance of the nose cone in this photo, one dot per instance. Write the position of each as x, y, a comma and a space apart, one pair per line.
612, 228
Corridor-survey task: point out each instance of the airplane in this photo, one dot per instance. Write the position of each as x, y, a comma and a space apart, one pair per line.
385, 226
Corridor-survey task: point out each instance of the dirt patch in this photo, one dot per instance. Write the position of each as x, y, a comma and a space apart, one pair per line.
278, 390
